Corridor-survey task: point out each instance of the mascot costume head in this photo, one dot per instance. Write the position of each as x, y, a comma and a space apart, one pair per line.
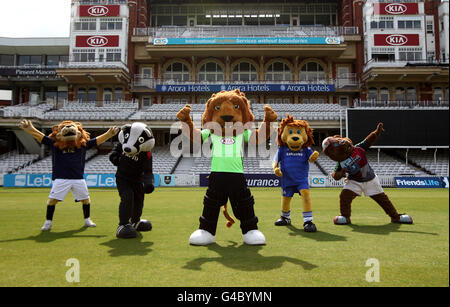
295, 134
136, 138
69, 134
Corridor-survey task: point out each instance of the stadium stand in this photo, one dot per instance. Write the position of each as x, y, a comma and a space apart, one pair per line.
91, 111
163, 162
426, 159
13, 161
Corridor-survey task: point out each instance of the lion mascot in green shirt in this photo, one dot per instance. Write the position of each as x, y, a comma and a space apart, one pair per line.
227, 122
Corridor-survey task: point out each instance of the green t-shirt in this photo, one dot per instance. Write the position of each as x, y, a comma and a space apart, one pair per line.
227, 152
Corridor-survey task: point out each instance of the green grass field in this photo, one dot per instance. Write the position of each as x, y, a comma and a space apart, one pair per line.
408, 255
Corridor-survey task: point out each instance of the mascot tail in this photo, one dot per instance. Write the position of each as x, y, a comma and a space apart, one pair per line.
230, 220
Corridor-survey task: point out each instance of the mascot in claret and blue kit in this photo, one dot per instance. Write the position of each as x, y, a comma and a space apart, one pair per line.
134, 177
69, 143
351, 162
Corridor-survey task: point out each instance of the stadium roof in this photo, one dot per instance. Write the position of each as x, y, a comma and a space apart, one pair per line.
34, 45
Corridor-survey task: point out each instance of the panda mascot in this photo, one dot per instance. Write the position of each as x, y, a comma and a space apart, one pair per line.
134, 176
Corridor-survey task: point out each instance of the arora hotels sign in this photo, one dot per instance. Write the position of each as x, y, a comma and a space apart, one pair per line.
245, 87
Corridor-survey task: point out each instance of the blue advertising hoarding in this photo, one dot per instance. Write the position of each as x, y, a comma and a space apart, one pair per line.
250, 87
323, 40
45, 180
253, 180
421, 182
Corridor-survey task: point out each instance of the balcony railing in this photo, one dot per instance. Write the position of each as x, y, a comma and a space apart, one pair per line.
399, 103
398, 63
94, 64
341, 82
245, 31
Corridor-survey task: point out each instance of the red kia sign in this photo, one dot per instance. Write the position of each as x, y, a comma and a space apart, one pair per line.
97, 41
99, 10
396, 8
396, 39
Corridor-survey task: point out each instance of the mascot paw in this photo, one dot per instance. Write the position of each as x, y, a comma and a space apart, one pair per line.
201, 237
47, 226
313, 157
309, 227
269, 114
254, 237
142, 225
184, 114
148, 188
278, 172
283, 221
404, 219
89, 223
341, 220
126, 232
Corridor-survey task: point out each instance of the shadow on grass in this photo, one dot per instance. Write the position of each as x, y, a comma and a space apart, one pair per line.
245, 258
51, 236
320, 236
128, 247
384, 229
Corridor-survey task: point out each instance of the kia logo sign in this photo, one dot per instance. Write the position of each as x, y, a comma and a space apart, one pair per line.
97, 41
396, 40
98, 10
395, 8
227, 141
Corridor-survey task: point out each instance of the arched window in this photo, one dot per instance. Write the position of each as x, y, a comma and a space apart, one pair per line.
278, 71
92, 94
81, 94
177, 71
244, 71
399, 94
384, 94
411, 94
107, 94
210, 72
438, 94
118, 93
312, 72
373, 94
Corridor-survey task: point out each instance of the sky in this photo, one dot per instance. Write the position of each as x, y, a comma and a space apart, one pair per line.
35, 18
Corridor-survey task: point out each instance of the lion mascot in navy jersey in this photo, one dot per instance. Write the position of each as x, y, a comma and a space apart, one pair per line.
69, 143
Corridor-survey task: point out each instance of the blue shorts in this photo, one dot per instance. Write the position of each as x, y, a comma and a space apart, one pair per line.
291, 190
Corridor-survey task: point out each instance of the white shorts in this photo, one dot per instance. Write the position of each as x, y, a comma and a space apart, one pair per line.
60, 188
372, 187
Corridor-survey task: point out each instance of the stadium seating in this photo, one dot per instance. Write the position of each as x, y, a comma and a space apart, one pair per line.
89, 111
163, 163
426, 160
302, 111
12, 161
